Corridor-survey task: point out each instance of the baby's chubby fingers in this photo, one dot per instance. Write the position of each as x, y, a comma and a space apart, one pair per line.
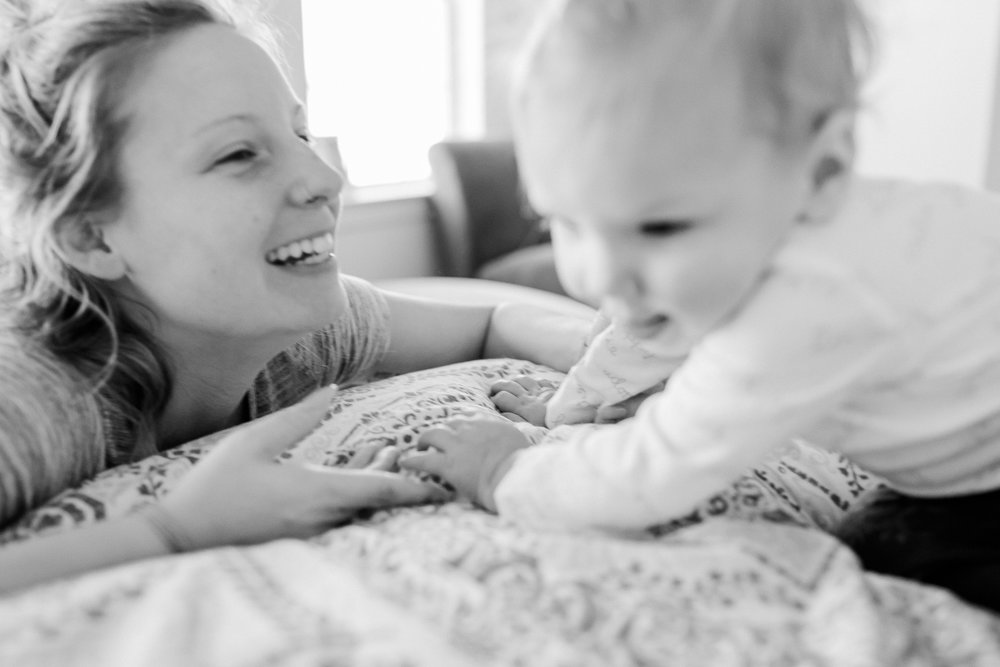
511, 387
430, 461
507, 402
452, 433
521, 408
437, 444
387, 459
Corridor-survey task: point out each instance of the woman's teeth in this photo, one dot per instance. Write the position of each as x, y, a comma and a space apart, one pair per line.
304, 251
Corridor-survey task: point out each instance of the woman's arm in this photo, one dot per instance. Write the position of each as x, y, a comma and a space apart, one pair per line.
552, 338
92, 547
237, 494
427, 332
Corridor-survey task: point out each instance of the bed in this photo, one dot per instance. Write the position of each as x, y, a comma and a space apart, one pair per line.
749, 578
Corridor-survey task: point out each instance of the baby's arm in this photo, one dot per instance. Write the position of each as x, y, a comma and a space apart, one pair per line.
781, 367
616, 367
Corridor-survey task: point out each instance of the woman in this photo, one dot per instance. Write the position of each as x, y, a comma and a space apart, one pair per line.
169, 273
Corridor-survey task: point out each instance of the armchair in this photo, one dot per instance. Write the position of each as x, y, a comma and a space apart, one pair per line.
485, 226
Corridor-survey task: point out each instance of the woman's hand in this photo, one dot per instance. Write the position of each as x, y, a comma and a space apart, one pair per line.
239, 494
472, 455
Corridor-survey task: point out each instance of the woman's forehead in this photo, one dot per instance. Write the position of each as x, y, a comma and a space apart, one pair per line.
202, 76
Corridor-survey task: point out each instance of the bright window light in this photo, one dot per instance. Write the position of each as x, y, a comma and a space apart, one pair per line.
379, 79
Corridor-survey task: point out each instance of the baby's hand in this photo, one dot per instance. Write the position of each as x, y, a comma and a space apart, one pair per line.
523, 398
472, 455
609, 414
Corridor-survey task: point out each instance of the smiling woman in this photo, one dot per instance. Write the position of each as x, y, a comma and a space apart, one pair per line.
219, 173
169, 270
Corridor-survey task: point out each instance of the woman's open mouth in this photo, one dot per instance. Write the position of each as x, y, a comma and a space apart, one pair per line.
313, 250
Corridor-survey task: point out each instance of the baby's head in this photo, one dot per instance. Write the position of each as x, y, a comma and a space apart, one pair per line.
677, 142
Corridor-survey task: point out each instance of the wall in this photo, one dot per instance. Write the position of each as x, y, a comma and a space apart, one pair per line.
380, 235
387, 238
506, 24
930, 104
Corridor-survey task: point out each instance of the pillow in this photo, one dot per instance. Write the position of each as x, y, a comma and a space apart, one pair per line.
799, 484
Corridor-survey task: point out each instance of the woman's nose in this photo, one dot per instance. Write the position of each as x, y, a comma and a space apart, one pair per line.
320, 184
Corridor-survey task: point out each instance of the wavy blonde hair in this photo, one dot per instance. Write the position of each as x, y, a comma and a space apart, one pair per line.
72, 361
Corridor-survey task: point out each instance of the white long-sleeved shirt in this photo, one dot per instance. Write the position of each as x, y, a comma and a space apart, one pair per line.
876, 333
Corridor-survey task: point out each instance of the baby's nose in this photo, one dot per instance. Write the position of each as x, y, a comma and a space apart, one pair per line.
614, 277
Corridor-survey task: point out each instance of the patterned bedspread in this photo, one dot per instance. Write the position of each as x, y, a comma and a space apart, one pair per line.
750, 578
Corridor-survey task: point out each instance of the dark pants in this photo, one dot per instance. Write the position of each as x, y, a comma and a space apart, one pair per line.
950, 542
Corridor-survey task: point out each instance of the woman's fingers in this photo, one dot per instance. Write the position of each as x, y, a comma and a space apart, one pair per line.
269, 436
360, 489
365, 454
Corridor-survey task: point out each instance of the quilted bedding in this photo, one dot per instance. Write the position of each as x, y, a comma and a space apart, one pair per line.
749, 578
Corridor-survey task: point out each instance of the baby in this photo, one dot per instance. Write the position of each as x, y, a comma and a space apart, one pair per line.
695, 158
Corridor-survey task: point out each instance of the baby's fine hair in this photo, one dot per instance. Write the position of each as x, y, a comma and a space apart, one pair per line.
71, 360
799, 60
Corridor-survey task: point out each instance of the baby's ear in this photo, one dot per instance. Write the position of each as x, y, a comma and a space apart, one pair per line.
82, 244
830, 162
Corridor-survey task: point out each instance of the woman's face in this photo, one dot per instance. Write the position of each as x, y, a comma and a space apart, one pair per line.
222, 192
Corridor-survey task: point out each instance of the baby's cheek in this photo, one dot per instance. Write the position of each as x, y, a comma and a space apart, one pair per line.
573, 277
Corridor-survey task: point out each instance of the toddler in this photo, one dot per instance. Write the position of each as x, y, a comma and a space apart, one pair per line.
695, 158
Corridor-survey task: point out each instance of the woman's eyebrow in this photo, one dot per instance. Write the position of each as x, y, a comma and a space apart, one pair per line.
225, 120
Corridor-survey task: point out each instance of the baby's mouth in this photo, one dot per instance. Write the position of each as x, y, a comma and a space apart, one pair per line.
312, 250
646, 327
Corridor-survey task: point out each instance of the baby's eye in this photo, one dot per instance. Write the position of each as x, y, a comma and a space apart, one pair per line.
305, 136
663, 227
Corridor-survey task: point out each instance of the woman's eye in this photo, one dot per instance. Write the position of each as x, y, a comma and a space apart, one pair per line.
663, 227
239, 155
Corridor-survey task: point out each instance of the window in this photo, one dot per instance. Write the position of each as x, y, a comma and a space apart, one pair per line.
383, 77
928, 110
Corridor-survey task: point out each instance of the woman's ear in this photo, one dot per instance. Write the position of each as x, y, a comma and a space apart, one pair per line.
82, 244
830, 161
